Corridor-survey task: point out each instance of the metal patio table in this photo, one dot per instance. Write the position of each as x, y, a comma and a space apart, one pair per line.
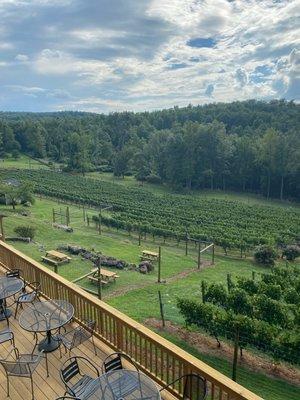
122, 384
46, 316
8, 287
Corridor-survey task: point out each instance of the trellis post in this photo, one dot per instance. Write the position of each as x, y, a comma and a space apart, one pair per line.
159, 265
199, 254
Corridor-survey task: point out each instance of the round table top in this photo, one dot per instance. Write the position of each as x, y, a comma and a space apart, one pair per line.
46, 315
9, 286
122, 385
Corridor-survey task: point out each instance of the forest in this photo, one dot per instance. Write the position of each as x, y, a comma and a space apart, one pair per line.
249, 146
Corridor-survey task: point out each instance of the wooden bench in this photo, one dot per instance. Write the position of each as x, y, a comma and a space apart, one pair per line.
49, 261
95, 279
149, 255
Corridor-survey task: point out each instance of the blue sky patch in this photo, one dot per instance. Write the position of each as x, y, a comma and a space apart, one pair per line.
202, 42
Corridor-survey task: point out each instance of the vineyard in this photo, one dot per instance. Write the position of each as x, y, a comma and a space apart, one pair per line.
262, 312
229, 223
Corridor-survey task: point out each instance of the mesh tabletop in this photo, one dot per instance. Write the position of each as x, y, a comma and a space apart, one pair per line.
122, 385
9, 286
46, 315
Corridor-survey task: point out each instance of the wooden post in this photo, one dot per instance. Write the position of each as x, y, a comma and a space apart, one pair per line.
213, 255
2, 235
139, 235
235, 354
99, 281
186, 245
161, 308
83, 213
68, 216
99, 225
159, 265
55, 268
88, 220
53, 215
199, 254
253, 275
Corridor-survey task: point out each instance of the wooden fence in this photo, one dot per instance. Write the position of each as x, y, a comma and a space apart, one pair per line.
156, 356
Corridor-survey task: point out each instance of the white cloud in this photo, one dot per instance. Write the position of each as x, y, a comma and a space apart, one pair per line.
143, 60
21, 58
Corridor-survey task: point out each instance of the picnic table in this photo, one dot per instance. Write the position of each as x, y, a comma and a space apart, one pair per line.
106, 276
149, 255
55, 257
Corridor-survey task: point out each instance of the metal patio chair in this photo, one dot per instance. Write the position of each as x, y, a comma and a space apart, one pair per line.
73, 377
194, 387
22, 366
67, 397
29, 296
7, 335
14, 273
77, 336
115, 361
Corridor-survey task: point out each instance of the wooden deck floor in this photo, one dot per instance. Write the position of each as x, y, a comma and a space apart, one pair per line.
45, 388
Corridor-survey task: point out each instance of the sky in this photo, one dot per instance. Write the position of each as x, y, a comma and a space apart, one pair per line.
116, 55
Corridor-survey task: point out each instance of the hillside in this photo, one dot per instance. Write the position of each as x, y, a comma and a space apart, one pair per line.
243, 146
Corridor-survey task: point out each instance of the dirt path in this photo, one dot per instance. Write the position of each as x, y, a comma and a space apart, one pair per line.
207, 345
183, 274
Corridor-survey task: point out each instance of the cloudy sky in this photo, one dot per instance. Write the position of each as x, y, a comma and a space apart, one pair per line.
108, 55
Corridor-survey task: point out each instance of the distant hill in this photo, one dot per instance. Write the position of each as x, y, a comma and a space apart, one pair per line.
251, 145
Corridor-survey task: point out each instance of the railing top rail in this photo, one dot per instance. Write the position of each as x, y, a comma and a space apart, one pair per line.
235, 390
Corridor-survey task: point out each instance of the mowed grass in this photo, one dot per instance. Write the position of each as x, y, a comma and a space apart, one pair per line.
136, 294
23, 162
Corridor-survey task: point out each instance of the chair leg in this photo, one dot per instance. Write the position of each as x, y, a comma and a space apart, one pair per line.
7, 383
17, 306
95, 349
32, 390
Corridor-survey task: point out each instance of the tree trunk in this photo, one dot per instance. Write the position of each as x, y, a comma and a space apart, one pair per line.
235, 355
212, 183
281, 187
269, 183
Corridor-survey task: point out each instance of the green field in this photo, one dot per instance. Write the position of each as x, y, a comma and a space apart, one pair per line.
229, 223
136, 294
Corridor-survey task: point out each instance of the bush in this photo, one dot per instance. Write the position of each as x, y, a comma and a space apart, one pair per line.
265, 255
153, 179
291, 252
25, 231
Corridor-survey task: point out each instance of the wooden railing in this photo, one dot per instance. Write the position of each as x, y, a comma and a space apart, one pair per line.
156, 356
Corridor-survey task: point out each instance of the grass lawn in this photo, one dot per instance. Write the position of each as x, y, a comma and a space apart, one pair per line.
136, 294
23, 162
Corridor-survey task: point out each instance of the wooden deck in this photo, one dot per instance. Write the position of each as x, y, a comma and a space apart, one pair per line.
158, 358
46, 388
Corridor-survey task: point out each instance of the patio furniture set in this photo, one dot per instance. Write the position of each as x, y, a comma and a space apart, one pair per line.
119, 377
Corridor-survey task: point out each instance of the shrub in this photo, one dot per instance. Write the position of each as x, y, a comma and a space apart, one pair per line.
291, 252
153, 179
265, 255
25, 231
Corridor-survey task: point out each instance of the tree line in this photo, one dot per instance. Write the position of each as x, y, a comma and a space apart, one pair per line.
245, 146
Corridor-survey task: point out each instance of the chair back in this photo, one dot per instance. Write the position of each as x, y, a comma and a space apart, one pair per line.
14, 273
71, 370
16, 368
195, 387
83, 333
112, 363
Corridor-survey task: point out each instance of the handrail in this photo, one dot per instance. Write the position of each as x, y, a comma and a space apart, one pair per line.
159, 358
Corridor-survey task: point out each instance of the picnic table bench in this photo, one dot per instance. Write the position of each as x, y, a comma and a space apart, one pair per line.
106, 276
55, 257
149, 255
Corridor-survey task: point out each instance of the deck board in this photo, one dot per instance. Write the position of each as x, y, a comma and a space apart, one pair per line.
45, 388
